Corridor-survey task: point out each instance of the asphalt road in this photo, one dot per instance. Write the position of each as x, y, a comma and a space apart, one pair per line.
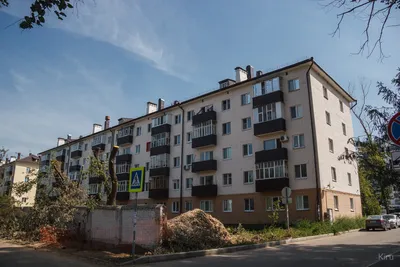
369, 249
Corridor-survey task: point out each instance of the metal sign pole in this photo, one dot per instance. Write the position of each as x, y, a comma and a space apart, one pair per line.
134, 225
287, 212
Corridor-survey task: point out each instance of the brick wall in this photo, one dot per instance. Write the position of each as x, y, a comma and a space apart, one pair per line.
114, 225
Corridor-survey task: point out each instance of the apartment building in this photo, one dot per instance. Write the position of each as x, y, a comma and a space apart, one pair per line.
19, 170
231, 151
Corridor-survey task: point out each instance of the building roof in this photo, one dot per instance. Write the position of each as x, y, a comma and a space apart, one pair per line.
30, 158
306, 61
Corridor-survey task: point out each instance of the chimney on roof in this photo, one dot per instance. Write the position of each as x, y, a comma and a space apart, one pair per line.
259, 73
97, 128
60, 141
241, 74
19, 155
7, 160
12, 158
250, 72
151, 107
107, 122
161, 103
30, 154
69, 137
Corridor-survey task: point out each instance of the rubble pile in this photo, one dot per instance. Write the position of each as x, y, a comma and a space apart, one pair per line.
194, 230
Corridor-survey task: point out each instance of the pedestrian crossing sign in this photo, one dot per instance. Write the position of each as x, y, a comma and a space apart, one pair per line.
136, 180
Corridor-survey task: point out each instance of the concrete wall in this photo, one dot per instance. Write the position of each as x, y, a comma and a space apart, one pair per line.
114, 225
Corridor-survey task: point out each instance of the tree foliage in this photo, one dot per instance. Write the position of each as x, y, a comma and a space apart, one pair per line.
40, 8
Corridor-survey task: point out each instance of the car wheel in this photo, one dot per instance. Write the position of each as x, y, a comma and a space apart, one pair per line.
367, 229
373, 229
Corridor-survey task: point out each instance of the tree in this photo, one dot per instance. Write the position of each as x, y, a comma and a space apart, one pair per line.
370, 11
3, 153
39, 9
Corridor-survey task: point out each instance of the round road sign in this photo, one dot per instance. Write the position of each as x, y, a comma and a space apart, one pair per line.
286, 192
394, 129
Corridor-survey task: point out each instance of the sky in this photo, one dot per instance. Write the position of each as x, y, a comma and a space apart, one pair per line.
109, 57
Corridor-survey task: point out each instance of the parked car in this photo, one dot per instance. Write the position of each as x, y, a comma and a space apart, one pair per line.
377, 222
392, 220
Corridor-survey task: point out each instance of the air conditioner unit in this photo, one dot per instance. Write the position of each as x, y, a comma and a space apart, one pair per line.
187, 167
284, 138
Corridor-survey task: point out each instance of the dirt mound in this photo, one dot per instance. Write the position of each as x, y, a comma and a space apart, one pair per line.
194, 230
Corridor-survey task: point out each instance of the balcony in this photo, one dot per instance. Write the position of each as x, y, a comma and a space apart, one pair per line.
205, 190
210, 115
271, 155
122, 196
75, 168
205, 165
158, 150
273, 184
45, 162
99, 146
163, 128
266, 99
162, 193
160, 171
60, 158
76, 154
95, 180
123, 158
204, 141
124, 140
267, 127
123, 176
9, 172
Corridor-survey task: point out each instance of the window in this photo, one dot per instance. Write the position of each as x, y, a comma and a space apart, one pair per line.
206, 205
148, 146
84, 161
344, 129
178, 119
125, 151
270, 144
149, 127
137, 165
189, 183
189, 159
227, 179
336, 202
206, 155
204, 129
227, 153
177, 162
24, 199
294, 85
86, 146
271, 169
226, 104
351, 204
248, 177
266, 87
245, 99
325, 92
109, 139
190, 115
227, 205
161, 139
175, 206
122, 186
189, 137
298, 141
188, 205
333, 173
302, 203
206, 180
328, 117
296, 112
246, 123
28, 170
137, 149
247, 149
265, 113
26, 179
341, 106
226, 128
161, 120
330, 141
272, 203
147, 166
177, 139
349, 179
138, 131
94, 188
300, 171
248, 204
175, 184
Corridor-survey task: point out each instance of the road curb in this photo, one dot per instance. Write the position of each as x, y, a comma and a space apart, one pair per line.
216, 251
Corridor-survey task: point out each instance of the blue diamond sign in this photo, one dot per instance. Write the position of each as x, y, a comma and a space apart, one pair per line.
136, 180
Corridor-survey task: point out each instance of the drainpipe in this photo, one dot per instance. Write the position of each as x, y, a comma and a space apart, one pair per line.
182, 144
318, 214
